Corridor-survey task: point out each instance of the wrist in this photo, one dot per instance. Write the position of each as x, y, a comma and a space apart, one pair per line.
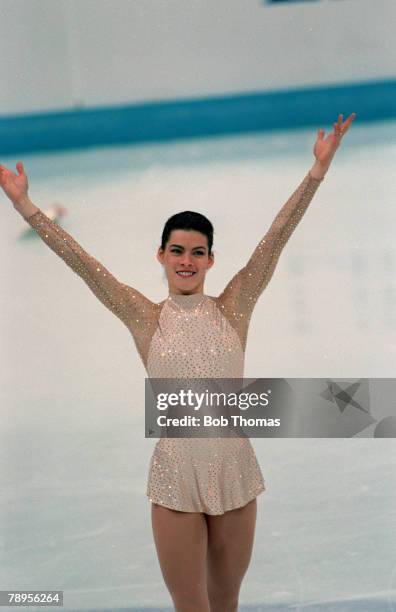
318, 170
25, 206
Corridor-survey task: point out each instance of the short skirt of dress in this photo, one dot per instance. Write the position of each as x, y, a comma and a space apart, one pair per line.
210, 475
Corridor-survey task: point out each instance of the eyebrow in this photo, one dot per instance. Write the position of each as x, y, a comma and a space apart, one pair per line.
182, 247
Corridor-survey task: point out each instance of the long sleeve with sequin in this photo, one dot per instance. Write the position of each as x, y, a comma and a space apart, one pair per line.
125, 302
241, 293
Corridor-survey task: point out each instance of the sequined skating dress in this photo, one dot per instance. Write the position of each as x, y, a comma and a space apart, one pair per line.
192, 336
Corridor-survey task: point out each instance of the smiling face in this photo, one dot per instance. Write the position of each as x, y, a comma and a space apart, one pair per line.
186, 260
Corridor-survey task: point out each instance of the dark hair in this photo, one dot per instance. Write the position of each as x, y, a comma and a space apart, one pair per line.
188, 220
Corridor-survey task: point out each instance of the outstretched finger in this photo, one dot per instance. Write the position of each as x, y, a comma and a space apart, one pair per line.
20, 168
348, 122
3, 171
337, 129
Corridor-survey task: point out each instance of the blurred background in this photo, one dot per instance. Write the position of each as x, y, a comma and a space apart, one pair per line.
124, 113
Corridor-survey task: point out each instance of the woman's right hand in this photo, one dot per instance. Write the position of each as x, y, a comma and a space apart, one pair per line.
15, 186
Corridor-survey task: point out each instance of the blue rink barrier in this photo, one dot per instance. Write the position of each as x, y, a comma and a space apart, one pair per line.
188, 118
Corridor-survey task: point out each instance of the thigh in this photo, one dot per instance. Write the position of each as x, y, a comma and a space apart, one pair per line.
181, 543
230, 545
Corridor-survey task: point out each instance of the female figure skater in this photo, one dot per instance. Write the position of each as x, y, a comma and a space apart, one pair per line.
203, 490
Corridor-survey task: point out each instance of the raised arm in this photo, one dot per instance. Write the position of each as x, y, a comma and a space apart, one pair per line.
129, 305
240, 295
246, 286
125, 302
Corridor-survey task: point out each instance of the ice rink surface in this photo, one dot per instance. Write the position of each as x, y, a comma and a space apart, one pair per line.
74, 458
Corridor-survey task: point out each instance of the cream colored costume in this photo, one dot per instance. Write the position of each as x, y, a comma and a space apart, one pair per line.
192, 336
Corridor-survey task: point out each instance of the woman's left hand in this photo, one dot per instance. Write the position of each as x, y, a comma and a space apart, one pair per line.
324, 149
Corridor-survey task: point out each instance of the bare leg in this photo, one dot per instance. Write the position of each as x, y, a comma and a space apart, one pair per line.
181, 542
230, 545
